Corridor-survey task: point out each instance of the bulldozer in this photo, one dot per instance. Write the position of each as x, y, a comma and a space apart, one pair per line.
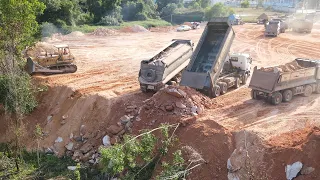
59, 61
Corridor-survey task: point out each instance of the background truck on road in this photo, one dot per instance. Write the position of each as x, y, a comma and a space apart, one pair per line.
211, 69
277, 84
165, 66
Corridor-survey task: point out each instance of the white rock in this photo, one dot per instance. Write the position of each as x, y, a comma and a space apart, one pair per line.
49, 118
71, 136
138, 119
58, 140
194, 109
82, 130
293, 170
106, 140
69, 146
64, 117
72, 168
180, 105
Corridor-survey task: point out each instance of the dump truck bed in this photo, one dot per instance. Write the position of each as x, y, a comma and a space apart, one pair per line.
210, 54
274, 79
165, 64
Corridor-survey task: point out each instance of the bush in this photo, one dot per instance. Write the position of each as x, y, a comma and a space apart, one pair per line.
245, 4
60, 23
218, 10
109, 21
17, 94
141, 17
47, 29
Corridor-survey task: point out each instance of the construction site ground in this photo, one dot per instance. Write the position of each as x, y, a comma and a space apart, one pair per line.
261, 138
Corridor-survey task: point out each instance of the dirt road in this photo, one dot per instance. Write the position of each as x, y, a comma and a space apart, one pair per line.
107, 82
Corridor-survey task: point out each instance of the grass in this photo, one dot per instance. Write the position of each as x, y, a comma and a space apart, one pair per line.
91, 28
250, 15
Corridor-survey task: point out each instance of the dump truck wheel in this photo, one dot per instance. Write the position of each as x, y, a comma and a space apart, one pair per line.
237, 83
215, 91
254, 94
244, 79
276, 98
223, 87
307, 91
287, 95
150, 75
318, 88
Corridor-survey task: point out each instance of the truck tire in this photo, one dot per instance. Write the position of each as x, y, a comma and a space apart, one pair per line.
254, 94
307, 91
244, 79
276, 98
287, 95
318, 88
223, 87
215, 91
237, 83
150, 75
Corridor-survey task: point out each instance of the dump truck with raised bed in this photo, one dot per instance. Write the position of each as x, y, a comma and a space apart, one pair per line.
302, 25
280, 84
59, 61
165, 66
272, 28
211, 69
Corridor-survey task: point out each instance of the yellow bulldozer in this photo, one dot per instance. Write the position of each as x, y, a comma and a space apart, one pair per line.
59, 61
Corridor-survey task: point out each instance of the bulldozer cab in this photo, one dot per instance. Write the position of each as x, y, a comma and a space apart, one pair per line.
64, 52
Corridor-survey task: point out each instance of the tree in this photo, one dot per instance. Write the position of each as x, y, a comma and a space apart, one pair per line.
18, 28
203, 3
139, 10
168, 10
245, 4
101, 8
163, 3
218, 10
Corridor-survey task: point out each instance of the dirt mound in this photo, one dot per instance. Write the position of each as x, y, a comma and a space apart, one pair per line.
40, 49
75, 34
162, 29
134, 29
288, 67
172, 105
103, 32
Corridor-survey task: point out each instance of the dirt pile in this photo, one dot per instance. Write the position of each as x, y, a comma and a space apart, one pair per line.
288, 67
134, 29
104, 32
40, 49
75, 34
162, 29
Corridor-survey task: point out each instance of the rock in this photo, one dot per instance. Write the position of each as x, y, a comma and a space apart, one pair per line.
138, 119
72, 168
58, 140
129, 125
49, 118
119, 123
77, 138
77, 155
82, 130
87, 156
91, 161
306, 170
71, 136
124, 119
180, 105
63, 122
86, 148
114, 129
64, 117
184, 94
114, 140
48, 151
69, 146
293, 170
174, 92
169, 108
122, 132
106, 141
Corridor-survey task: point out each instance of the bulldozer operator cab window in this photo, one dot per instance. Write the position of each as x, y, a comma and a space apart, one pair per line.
65, 51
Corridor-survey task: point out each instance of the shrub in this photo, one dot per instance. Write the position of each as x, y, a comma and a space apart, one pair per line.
245, 4
109, 21
141, 17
